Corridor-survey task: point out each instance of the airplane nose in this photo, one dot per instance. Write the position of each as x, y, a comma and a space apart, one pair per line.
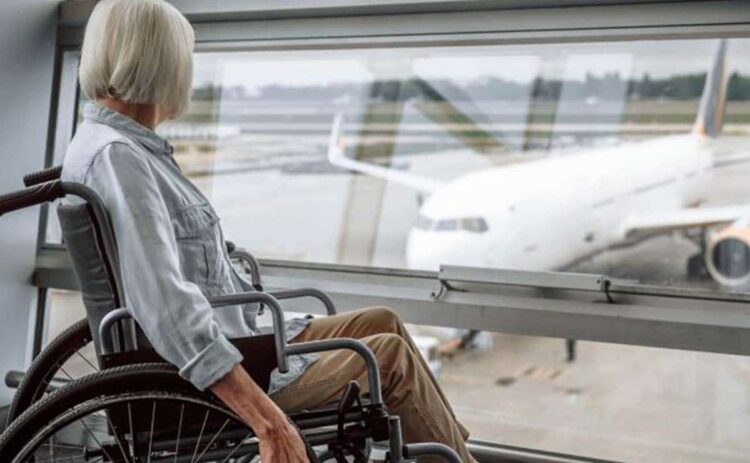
421, 252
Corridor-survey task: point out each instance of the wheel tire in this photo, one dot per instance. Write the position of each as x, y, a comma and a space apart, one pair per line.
150, 377
3, 415
45, 366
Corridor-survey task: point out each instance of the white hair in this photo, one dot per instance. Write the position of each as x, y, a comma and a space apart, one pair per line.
138, 51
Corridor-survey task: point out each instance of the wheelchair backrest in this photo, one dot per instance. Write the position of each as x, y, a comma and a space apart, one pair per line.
92, 266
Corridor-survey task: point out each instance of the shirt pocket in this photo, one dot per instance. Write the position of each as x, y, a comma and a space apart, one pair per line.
196, 229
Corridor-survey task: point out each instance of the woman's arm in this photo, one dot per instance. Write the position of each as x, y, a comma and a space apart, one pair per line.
279, 441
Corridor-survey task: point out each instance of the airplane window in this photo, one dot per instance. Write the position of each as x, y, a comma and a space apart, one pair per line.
472, 224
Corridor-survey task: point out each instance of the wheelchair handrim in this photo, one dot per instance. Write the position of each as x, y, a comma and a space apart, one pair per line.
98, 404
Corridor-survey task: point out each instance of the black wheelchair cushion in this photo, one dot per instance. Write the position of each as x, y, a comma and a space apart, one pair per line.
259, 357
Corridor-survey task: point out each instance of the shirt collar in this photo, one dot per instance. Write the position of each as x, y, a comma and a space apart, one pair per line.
146, 137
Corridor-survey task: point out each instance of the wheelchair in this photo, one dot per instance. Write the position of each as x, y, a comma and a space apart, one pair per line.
133, 407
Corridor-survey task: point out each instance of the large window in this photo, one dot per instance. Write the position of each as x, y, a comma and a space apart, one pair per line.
624, 158
579, 157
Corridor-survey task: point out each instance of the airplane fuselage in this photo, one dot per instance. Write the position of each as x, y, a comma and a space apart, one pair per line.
549, 213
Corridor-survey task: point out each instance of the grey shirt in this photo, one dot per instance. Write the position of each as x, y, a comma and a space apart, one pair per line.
171, 248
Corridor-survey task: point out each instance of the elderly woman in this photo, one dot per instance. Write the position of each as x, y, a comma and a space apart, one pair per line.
136, 64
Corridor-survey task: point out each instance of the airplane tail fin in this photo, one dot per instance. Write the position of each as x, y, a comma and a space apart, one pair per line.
713, 102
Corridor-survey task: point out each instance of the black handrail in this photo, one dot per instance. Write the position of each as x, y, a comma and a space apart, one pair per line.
38, 194
42, 176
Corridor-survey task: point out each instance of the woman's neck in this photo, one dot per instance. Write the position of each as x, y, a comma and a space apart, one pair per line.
148, 115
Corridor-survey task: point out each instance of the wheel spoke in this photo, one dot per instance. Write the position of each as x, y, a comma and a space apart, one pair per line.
87, 361
213, 439
66, 373
226, 459
90, 432
38, 459
179, 433
42, 387
93, 436
200, 436
117, 438
132, 435
151, 434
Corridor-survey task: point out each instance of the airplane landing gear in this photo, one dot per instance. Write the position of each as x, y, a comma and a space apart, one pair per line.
696, 267
570, 350
696, 264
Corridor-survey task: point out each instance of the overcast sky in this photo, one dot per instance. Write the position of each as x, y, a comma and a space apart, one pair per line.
520, 63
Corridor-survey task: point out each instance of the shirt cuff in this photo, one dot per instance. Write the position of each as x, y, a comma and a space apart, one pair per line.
211, 364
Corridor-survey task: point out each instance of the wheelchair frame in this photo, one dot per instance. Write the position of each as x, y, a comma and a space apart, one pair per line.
119, 345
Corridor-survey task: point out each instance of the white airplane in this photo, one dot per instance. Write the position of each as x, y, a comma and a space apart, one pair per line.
549, 213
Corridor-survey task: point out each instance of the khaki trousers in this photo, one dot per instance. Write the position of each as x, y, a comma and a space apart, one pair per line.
409, 388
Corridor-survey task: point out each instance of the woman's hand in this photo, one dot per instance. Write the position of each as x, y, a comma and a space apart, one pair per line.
280, 442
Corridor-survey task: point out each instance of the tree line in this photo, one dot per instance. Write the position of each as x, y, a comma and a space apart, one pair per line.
609, 86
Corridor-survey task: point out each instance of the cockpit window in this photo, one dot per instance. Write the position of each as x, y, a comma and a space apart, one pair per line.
423, 223
471, 224
446, 225
474, 224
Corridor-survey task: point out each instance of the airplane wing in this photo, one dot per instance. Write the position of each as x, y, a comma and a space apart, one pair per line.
337, 157
686, 218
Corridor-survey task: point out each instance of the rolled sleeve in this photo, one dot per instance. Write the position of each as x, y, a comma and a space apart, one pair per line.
173, 313
212, 363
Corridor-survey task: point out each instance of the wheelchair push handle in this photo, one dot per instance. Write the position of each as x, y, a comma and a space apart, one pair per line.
38, 194
42, 176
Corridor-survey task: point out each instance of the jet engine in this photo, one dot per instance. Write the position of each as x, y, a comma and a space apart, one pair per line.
727, 255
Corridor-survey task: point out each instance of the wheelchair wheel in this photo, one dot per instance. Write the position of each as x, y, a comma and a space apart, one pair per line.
136, 413
68, 357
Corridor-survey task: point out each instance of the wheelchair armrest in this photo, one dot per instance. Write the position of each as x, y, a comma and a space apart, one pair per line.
277, 315
254, 266
431, 448
105, 335
248, 259
371, 362
307, 292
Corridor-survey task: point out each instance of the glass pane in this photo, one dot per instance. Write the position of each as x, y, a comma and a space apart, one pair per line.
616, 402
64, 127
66, 308
581, 157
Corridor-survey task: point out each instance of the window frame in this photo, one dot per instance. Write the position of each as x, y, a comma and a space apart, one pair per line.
564, 305
530, 303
